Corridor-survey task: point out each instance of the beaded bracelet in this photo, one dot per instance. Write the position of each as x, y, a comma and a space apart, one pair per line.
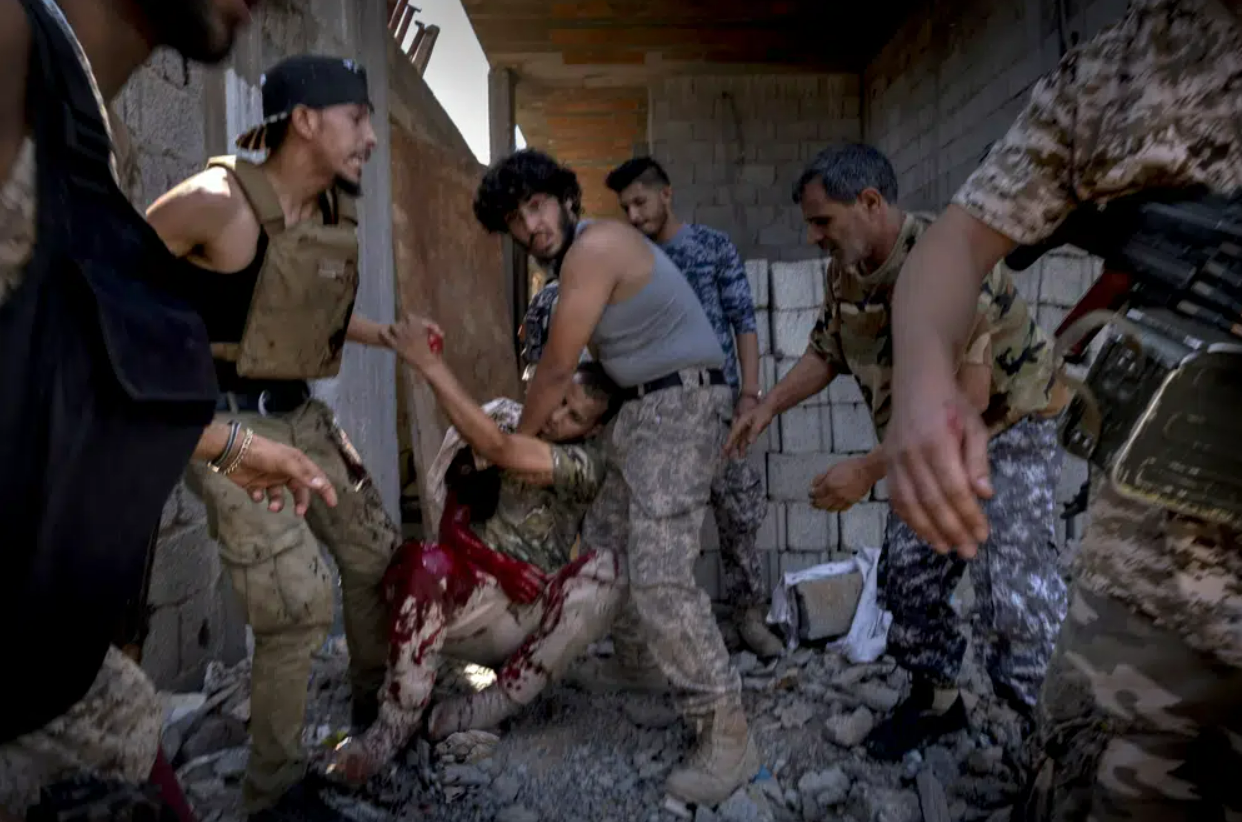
234, 427
241, 454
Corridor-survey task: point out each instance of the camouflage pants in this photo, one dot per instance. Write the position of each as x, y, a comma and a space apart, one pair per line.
740, 504
529, 645
663, 453
112, 732
1020, 593
277, 568
1141, 714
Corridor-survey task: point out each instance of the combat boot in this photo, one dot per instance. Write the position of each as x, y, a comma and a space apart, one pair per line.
630, 668
724, 759
754, 631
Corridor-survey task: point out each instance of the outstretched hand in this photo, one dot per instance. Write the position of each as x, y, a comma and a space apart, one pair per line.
416, 340
267, 468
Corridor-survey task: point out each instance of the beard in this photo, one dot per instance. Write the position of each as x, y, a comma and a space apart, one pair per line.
353, 189
191, 27
568, 226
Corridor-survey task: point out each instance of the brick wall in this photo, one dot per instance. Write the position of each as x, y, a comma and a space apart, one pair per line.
950, 82
735, 145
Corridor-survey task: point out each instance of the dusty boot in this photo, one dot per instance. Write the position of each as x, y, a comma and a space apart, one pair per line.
475, 712
724, 760
758, 637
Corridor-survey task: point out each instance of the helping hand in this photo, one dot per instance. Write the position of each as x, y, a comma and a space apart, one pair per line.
937, 456
842, 485
747, 428
416, 340
268, 467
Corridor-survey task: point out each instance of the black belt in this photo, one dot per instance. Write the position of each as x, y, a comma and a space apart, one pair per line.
276, 398
714, 377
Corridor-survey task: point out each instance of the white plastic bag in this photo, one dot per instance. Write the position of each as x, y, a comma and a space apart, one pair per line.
868, 634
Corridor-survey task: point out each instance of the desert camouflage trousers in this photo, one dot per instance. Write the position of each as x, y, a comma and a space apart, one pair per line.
740, 504
663, 452
1019, 591
112, 732
1140, 718
464, 614
287, 587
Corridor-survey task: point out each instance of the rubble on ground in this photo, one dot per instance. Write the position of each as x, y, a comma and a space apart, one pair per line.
572, 756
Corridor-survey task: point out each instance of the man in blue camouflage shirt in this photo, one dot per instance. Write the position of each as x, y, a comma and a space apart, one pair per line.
714, 269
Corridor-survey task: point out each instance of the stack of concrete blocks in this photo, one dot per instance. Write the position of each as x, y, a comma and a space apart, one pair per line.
835, 424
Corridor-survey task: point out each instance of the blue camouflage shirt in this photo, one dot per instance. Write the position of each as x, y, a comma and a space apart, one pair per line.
714, 268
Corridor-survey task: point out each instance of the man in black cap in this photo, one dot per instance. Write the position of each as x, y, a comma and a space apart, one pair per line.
269, 257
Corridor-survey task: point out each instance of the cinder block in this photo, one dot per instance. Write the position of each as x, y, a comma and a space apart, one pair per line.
1074, 473
852, 429
794, 561
771, 534
880, 491
1050, 317
757, 273
1063, 281
780, 235
826, 606
790, 475
863, 526
801, 431
797, 285
844, 390
791, 329
809, 529
186, 563
767, 372
758, 174
763, 332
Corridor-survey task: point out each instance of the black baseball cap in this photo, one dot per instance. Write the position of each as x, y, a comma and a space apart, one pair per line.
310, 80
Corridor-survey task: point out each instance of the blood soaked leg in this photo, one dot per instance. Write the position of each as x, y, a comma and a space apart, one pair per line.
579, 604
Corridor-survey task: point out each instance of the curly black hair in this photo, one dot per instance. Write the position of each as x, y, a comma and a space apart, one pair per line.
518, 177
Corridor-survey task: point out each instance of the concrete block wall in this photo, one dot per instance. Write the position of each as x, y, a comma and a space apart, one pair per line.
734, 146
836, 424
954, 77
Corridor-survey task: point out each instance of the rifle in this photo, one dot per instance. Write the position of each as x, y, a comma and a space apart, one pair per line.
1158, 408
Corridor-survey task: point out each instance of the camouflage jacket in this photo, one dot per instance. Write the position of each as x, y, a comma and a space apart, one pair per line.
1150, 102
536, 524
854, 335
17, 193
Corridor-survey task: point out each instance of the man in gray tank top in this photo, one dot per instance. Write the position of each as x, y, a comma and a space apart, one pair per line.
621, 295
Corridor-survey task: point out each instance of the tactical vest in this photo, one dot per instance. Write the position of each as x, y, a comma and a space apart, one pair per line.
107, 384
305, 293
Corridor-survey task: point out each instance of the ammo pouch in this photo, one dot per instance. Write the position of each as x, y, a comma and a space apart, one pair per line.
1159, 408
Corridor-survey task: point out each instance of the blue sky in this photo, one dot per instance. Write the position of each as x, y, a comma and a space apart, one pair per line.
457, 73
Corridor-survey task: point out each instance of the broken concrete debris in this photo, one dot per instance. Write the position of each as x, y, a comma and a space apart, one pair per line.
573, 756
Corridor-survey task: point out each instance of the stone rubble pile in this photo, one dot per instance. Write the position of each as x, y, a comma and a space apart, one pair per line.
571, 756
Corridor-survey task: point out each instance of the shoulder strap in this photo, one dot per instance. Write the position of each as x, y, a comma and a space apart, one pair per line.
258, 190
346, 208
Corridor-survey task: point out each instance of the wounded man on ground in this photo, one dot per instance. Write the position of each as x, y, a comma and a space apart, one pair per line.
498, 588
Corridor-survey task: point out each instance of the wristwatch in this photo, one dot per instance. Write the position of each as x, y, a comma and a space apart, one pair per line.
756, 395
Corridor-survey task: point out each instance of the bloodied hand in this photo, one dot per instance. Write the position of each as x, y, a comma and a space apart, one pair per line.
416, 340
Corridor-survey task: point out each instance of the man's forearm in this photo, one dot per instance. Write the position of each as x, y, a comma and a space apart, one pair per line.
472, 422
748, 362
810, 375
365, 332
546, 393
937, 294
875, 465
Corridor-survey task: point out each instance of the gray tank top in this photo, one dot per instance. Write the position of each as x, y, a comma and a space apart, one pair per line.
659, 330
